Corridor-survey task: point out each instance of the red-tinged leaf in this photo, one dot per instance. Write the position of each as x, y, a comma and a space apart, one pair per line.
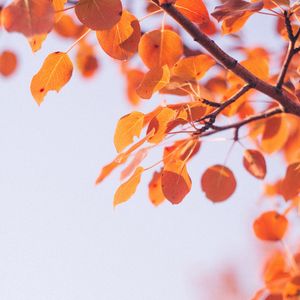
137, 159
99, 14
274, 297
193, 67
121, 158
134, 78
275, 134
121, 41
254, 162
176, 182
270, 226
156, 195
153, 81
8, 63
158, 48
218, 183
86, 60
235, 13
127, 128
160, 123
55, 72
195, 10
29, 17
128, 188
290, 185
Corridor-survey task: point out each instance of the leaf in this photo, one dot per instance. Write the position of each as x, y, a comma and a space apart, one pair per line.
8, 63
156, 195
193, 67
121, 158
275, 134
137, 159
235, 13
218, 183
29, 17
68, 28
158, 48
55, 72
86, 60
58, 6
134, 78
270, 226
160, 123
176, 182
36, 42
194, 10
121, 41
254, 162
153, 81
128, 127
99, 14
128, 188
290, 185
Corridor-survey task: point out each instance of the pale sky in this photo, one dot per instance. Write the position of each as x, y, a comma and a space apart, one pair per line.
61, 239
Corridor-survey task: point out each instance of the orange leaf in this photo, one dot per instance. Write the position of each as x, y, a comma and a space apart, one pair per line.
254, 162
29, 17
8, 63
270, 226
128, 127
128, 188
290, 185
36, 41
160, 123
134, 78
158, 48
218, 183
55, 72
195, 10
67, 28
234, 14
99, 14
176, 182
193, 67
153, 81
121, 41
275, 134
155, 190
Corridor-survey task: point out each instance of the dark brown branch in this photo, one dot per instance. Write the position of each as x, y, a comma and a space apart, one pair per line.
229, 62
238, 125
291, 50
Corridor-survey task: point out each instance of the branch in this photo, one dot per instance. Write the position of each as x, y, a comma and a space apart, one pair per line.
229, 62
238, 125
291, 50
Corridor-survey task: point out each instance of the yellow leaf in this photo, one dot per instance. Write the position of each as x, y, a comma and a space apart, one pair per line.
128, 188
55, 72
128, 127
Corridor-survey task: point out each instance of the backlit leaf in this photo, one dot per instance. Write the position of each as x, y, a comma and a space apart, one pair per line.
158, 48
153, 81
55, 72
176, 182
128, 127
218, 183
290, 185
195, 10
128, 188
29, 17
254, 162
156, 195
270, 226
121, 41
193, 67
99, 14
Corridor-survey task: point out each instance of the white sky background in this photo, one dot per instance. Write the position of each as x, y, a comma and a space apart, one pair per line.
61, 237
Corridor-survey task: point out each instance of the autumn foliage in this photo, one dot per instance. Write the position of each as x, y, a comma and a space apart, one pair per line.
207, 92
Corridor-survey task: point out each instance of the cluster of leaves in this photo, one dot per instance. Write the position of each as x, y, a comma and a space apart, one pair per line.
213, 93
